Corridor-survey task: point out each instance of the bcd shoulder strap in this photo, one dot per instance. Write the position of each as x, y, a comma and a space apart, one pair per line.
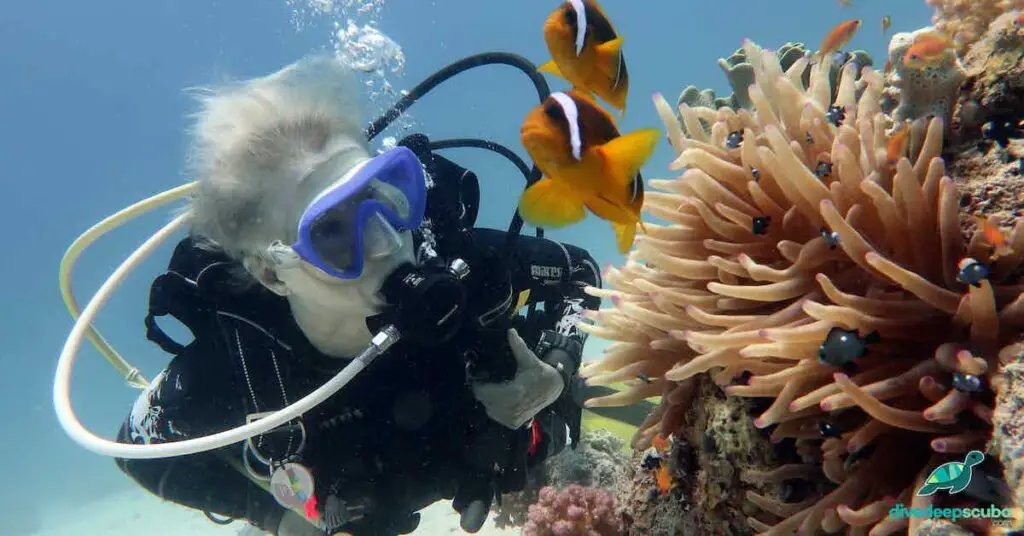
178, 292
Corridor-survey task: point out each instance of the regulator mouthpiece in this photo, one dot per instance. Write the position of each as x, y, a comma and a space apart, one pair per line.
425, 303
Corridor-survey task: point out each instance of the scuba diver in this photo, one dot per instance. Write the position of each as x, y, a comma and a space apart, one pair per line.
304, 250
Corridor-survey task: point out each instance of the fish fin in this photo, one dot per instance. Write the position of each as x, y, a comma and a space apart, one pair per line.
549, 203
610, 50
626, 154
872, 338
612, 64
551, 68
625, 234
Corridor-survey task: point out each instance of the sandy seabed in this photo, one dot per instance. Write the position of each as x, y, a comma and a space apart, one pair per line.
136, 513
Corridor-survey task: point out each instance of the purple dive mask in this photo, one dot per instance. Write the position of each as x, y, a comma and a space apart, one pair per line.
361, 217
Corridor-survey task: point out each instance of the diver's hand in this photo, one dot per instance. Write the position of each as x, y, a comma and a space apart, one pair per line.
535, 386
293, 524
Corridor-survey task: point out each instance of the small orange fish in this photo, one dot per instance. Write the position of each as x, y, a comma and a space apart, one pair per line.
838, 37
995, 237
898, 143
586, 163
664, 479
660, 443
586, 51
928, 50
1018, 18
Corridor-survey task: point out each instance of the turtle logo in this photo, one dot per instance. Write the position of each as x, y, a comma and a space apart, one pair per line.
952, 476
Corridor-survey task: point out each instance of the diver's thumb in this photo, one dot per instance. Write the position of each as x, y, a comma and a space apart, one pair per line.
525, 357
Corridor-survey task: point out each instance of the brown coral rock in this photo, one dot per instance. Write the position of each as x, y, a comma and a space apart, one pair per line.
712, 442
967, 20
995, 77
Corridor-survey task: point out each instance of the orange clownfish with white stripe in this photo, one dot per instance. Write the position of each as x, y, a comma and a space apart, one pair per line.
586, 163
586, 51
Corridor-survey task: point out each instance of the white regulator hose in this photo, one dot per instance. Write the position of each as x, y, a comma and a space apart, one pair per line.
83, 327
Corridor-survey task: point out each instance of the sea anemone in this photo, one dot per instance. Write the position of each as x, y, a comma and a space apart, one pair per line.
810, 224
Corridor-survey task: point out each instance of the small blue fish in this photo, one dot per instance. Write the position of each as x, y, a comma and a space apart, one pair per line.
757, 173
734, 140
842, 347
967, 383
971, 272
831, 237
828, 429
650, 461
836, 115
643, 377
760, 224
823, 170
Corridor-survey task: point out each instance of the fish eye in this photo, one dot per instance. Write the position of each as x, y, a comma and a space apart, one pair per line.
569, 15
553, 111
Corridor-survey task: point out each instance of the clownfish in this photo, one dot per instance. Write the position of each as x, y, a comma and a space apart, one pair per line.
586, 163
586, 51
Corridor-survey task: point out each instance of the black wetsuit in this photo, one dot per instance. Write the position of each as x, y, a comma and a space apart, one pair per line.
403, 434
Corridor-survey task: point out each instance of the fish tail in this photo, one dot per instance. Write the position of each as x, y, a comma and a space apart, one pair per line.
872, 338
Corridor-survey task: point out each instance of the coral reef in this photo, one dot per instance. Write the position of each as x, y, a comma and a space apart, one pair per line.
713, 440
1008, 440
922, 93
995, 77
965, 21
740, 74
599, 461
575, 511
790, 225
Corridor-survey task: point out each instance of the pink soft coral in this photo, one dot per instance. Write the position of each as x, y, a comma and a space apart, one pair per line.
576, 511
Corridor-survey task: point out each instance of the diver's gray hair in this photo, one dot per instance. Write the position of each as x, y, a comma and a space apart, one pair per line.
254, 140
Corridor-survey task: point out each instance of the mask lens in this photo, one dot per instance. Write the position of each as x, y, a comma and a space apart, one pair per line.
333, 237
392, 197
381, 238
333, 234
